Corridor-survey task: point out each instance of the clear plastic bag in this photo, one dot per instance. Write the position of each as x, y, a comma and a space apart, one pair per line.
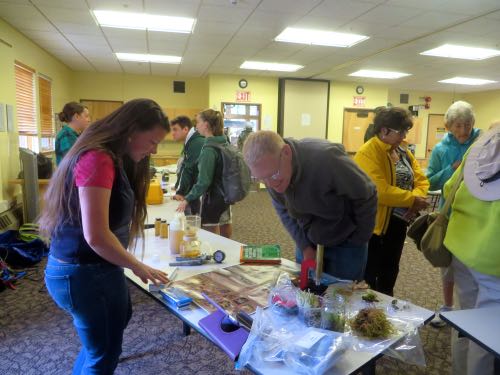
301, 349
404, 342
282, 298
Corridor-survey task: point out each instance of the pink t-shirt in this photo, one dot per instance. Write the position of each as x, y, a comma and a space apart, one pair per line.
95, 168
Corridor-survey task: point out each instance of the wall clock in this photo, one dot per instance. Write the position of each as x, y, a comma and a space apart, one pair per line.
243, 83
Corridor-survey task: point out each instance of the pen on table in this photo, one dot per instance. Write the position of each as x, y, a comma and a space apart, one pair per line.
171, 276
218, 307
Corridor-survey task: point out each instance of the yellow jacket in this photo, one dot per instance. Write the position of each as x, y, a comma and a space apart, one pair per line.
374, 159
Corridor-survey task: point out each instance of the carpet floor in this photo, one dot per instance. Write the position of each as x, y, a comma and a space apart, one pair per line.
38, 338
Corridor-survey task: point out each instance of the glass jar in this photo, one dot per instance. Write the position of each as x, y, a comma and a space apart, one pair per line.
190, 247
333, 314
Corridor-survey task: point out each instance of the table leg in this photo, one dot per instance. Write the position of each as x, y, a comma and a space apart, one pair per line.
369, 368
186, 329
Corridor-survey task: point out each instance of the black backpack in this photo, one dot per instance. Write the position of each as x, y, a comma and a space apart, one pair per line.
236, 179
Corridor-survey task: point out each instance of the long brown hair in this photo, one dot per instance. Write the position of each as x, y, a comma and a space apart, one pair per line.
214, 120
110, 134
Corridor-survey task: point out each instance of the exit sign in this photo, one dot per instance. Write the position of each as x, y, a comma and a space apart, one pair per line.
242, 96
358, 101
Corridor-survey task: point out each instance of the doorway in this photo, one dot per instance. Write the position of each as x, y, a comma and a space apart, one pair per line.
238, 116
435, 132
356, 122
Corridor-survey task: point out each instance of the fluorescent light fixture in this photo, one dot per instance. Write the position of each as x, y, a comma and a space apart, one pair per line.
162, 59
143, 21
259, 65
467, 81
462, 52
319, 37
378, 74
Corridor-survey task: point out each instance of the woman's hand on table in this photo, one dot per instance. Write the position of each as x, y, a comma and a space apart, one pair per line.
182, 206
145, 273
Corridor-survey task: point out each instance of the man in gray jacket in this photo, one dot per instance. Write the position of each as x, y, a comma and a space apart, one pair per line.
321, 196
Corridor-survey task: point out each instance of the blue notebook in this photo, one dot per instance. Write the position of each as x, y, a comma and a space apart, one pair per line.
228, 336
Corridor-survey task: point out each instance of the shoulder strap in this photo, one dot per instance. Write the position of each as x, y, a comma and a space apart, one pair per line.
451, 197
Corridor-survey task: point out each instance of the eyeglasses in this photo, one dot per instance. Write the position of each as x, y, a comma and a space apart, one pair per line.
400, 132
274, 176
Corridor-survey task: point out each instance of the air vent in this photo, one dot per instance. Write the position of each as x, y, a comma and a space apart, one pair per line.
180, 87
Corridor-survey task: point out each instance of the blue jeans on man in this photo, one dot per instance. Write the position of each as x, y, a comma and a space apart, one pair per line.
344, 261
97, 297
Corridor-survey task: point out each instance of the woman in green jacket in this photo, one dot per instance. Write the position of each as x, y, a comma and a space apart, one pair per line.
472, 238
215, 213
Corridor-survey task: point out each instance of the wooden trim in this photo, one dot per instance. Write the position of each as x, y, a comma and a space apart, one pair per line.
24, 66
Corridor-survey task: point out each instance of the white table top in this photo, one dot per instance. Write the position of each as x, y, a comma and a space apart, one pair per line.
157, 255
480, 325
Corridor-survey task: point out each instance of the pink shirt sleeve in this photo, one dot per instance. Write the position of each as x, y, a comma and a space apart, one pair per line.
95, 169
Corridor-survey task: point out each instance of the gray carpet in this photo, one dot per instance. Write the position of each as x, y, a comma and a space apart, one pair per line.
38, 338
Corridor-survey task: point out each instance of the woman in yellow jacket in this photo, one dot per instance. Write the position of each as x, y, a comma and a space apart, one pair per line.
401, 190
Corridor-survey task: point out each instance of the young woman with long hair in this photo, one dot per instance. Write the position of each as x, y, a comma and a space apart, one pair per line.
95, 208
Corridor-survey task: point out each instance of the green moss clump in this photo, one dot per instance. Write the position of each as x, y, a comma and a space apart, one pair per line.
372, 323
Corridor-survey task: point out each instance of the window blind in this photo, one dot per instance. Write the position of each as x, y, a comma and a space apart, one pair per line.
46, 109
25, 100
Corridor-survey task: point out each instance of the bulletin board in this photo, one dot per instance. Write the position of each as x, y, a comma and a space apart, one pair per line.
303, 106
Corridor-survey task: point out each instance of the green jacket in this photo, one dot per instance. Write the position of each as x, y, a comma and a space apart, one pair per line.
472, 234
186, 178
209, 168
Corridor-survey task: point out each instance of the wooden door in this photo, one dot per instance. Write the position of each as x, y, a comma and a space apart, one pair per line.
100, 108
414, 135
356, 122
435, 132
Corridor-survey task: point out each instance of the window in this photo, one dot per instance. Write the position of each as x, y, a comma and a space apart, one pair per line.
46, 110
237, 116
25, 103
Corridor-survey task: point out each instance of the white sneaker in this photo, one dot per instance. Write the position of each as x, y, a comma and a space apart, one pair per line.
437, 322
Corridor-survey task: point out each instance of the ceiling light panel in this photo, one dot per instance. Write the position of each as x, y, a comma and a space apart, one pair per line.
259, 65
467, 81
143, 21
319, 37
378, 74
462, 52
162, 59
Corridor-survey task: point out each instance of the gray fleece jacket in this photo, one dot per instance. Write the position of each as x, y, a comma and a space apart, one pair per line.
330, 200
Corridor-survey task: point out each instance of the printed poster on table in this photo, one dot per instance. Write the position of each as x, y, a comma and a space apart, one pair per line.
236, 288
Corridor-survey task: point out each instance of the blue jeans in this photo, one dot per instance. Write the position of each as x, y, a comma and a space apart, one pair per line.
345, 261
97, 297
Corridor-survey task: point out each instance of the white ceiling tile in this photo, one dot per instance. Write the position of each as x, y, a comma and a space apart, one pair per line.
203, 27
185, 8
135, 67
164, 69
287, 6
69, 4
72, 28
76, 16
341, 10
223, 13
390, 15
118, 5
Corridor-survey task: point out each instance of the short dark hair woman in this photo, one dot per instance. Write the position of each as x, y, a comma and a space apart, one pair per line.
76, 118
401, 192
95, 208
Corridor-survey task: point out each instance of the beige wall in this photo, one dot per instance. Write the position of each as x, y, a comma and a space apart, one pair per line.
438, 105
486, 107
27, 52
